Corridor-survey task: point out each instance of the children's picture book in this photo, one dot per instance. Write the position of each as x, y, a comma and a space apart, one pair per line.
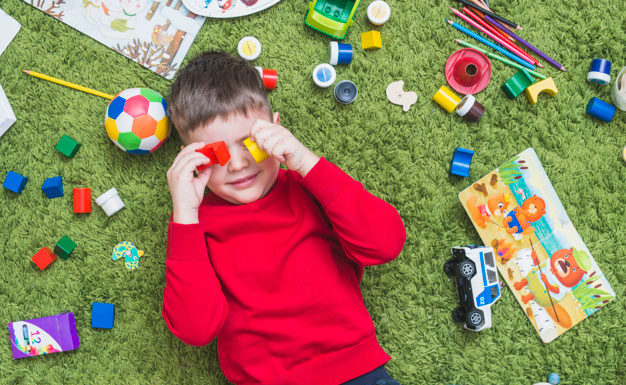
155, 33
228, 8
539, 253
46, 335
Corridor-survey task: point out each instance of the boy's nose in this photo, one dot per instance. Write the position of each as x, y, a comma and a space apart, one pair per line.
238, 160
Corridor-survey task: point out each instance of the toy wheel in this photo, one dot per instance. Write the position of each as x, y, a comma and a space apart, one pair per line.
467, 269
474, 319
449, 266
458, 314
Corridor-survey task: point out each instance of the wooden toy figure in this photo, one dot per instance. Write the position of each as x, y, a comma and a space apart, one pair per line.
397, 95
130, 253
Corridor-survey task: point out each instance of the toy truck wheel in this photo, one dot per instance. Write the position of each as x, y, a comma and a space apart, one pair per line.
474, 318
449, 266
458, 314
467, 269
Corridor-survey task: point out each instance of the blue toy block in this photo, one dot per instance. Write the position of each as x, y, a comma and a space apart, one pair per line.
15, 182
53, 187
102, 315
461, 162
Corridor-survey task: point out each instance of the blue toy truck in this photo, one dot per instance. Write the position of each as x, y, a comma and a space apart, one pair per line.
476, 278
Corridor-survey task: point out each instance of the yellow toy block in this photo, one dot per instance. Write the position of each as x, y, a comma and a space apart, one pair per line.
545, 85
371, 39
258, 154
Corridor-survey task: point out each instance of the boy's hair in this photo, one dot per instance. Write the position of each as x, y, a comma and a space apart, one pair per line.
214, 84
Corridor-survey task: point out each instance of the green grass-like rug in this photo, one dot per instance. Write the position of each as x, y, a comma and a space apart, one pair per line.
401, 157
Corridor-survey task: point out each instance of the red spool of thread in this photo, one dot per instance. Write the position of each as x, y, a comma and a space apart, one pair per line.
82, 200
468, 71
270, 77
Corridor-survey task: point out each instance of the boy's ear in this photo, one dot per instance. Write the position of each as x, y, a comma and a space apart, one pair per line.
276, 118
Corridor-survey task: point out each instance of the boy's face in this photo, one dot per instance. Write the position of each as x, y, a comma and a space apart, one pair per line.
241, 180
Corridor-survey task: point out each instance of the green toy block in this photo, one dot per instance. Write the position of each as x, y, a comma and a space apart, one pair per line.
64, 247
517, 84
67, 146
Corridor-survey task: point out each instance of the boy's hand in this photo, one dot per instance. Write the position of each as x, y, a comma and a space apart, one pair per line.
187, 190
278, 142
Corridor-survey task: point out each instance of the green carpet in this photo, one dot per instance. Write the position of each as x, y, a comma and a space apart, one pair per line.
401, 157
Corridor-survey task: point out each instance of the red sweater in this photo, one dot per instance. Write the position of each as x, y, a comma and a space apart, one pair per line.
277, 280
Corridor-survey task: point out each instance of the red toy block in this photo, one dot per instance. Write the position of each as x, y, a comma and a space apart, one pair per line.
217, 152
82, 200
44, 258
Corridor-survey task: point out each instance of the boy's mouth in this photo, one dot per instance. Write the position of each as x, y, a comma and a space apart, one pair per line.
245, 181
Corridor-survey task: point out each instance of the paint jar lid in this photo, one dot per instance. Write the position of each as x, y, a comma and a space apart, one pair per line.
249, 48
378, 12
324, 75
346, 92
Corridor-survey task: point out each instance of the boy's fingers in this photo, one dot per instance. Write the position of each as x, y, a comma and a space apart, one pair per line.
262, 136
267, 144
257, 126
204, 175
180, 159
185, 150
188, 162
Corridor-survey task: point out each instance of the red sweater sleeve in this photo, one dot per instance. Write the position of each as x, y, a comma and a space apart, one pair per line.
369, 229
194, 306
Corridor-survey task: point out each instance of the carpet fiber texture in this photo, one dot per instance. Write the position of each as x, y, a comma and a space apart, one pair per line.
403, 157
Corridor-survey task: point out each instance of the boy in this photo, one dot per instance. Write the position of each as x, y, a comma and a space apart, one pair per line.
270, 260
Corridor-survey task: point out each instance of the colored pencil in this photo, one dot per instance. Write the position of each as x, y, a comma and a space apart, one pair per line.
490, 44
503, 42
68, 84
478, 17
488, 8
499, 58
493, 15
526, 44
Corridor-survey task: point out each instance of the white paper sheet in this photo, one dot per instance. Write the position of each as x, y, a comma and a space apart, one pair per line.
8, 29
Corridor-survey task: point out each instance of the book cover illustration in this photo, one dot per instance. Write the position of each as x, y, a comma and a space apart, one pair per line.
46, 335
155, 33
539, 252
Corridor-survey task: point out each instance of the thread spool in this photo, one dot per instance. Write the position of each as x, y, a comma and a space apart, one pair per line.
468, 71
378, 12
324, 75
618, 91
446, 99
346, 92
269, 77
110, 202
600, 109
470, 109
82, 200
600, 72
340, 53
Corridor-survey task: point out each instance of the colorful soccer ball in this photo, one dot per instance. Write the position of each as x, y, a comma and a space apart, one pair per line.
136, 121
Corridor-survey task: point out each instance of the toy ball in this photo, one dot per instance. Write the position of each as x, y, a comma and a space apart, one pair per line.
130, 253
136, 121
